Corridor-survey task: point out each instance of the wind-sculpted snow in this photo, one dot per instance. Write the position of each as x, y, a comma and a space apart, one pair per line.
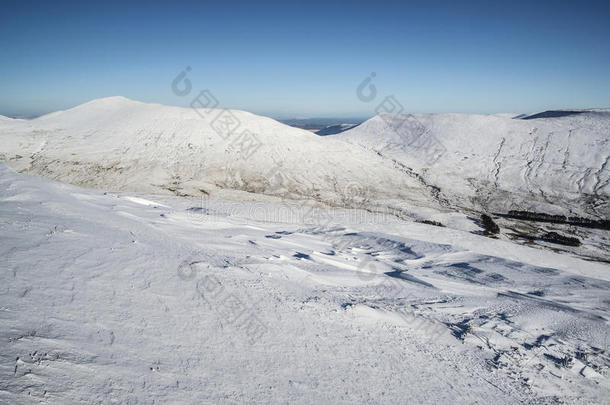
131, 298
495, 162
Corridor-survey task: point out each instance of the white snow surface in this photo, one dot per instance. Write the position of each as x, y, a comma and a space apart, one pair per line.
192, 269
135, 298
121, 144
393, 162
496, 162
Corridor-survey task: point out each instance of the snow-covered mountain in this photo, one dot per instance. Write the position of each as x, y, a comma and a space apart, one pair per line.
438, 167
120, 144
170, 286
553, 162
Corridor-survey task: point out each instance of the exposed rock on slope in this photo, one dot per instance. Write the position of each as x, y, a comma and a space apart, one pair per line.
494, 162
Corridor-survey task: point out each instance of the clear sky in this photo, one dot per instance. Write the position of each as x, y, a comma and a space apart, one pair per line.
306, 59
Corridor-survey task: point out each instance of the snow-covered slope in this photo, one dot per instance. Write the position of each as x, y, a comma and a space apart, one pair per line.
121, 144
495, 162
482, 162
130, 298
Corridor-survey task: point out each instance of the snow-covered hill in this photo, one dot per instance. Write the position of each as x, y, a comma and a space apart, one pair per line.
121, 144
557, 164
439, 167
550, 162
153, 294
129, 298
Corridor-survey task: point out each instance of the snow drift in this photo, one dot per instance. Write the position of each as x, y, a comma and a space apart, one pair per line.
130, 298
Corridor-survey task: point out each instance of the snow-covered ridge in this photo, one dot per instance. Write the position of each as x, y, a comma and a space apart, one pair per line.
481, 162
496, 162
121, 144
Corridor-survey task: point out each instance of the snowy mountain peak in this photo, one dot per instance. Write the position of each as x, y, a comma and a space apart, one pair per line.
120, 144
482, 162
496, 162
112, 101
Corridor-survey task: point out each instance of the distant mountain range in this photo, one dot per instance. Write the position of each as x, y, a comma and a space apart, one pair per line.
324, 126
551, 162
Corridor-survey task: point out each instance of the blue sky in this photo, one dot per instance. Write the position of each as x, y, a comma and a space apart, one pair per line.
306, 59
